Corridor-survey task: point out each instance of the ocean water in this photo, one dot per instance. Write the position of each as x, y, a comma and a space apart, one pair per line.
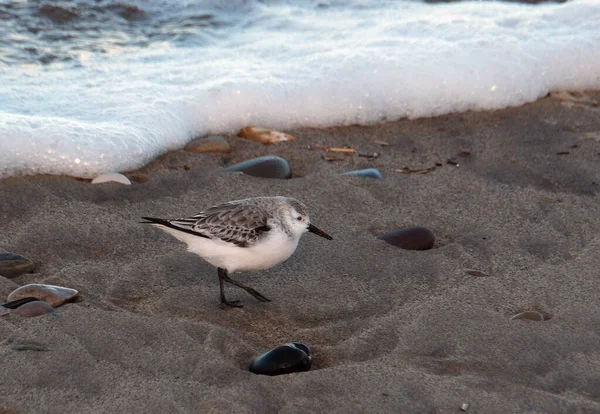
93, 86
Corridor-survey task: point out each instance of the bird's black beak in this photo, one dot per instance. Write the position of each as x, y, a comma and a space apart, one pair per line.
319, 232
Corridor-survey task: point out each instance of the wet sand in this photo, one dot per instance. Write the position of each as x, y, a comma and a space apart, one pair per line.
391, 330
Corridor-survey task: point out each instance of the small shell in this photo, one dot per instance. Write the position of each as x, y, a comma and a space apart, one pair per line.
111, 177
54, 295
531, 315
263, 135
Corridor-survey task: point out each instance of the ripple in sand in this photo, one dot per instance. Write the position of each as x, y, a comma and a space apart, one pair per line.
268, 166
212, 143
13, 264
285, 359
29, 346
54, 295
372, 173
411, 238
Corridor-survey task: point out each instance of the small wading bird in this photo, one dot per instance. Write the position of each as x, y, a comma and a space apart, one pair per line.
242, 236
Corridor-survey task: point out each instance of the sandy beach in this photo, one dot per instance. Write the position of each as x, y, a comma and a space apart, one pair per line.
511, 193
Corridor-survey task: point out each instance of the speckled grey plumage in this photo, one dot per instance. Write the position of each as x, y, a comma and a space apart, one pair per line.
241, 222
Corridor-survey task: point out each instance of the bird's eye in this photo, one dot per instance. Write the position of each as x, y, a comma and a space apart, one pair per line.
299, 218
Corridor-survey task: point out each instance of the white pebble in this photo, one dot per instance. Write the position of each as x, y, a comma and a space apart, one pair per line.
464, 407
114, 177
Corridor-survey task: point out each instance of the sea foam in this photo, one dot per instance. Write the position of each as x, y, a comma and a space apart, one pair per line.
281, 65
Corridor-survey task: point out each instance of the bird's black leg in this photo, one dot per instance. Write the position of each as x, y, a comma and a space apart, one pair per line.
223, 276
224, 302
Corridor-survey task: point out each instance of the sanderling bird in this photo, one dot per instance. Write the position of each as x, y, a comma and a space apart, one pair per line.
242, 236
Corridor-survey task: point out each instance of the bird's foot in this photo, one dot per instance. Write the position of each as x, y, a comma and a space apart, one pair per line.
231, 304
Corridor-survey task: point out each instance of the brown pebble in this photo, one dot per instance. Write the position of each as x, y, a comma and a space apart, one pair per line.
531, 315
211, 143
30, 309
411, 238
54, 295
263, 135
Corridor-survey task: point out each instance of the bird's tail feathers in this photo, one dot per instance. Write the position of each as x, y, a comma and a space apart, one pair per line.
154, 220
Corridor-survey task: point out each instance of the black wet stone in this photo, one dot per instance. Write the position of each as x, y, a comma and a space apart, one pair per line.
13, 264
285, 359
268, 166
372, 173
14, 304
410, 238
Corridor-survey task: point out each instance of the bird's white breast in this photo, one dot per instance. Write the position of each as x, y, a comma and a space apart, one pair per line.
269, 251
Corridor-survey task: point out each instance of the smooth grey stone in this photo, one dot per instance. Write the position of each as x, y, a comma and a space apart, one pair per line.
373, 173
268, 166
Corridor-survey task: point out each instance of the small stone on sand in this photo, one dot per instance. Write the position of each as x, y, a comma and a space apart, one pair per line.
54, 295
373, 173
531, 315
269, 166
36, 308
14, 304
13, 264
211, 143
285, 359
111, 177
475, 272
411, 238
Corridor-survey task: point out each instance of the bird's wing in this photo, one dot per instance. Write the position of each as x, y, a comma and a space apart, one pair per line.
241, 224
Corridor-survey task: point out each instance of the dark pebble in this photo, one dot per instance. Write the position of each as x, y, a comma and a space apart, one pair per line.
373, 173
475, 272
14, 304
269, 166
292, 357
211, 143
13, 264
411, 238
